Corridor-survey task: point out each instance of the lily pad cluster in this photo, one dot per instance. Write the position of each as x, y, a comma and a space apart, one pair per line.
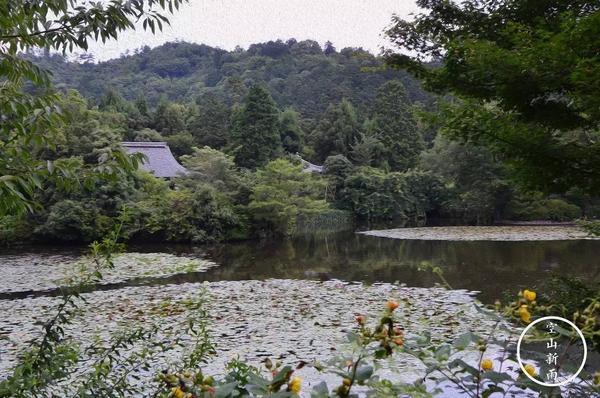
34, 273
289, 320
486, 233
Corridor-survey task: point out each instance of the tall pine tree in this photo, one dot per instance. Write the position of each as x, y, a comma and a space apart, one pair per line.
292, 136
255, 135
210, 122
396, 127
338, 129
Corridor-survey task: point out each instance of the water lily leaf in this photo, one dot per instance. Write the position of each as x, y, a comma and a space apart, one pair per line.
320, 391
464, 340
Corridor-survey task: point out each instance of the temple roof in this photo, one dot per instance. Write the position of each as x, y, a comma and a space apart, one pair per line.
159, 159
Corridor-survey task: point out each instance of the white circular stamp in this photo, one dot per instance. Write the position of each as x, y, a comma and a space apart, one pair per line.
548, 319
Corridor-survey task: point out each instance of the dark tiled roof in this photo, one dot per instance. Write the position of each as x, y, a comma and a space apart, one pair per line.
159, 159
309, 167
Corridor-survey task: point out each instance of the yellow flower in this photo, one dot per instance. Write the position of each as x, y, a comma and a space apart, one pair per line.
391, 305
487, 364
529, 295
530, 369
177, 392
295, 384
525, 314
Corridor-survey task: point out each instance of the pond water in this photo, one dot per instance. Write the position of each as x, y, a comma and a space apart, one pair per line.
285, 279
491, 267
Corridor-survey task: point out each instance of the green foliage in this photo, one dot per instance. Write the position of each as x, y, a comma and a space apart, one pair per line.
73, 221
546, 209
527, 77
210, 122
336, 168
255, 135
169, 118
30, 121
147, 135
303, 78
281, 194
13, 229
211, 166
292, 136
591, 227
180, 143
395, 127
199, 215
338, 129
374, 195
476, 187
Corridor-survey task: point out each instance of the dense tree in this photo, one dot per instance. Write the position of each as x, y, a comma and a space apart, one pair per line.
329, 48
367, 149
170, 118
396, 127
478, 190
255, 134
147, 135
338, 129
281, 194
527, 75
210, 122
290, 130
336, 168
181, 143
306, 78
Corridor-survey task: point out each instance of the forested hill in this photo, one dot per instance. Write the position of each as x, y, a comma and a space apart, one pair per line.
301, 75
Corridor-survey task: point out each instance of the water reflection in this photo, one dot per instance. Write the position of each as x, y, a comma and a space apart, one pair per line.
489, 267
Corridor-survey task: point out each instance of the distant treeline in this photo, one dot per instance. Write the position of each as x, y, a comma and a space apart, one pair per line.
237, 119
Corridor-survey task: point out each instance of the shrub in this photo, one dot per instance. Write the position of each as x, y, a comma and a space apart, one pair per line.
591, 227
201, 215
146, 135
72, 221
14, 229
554, 210
375, 195
282, 193
181, 143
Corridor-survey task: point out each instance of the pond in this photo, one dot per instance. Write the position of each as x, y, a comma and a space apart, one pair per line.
490, 267
305, 289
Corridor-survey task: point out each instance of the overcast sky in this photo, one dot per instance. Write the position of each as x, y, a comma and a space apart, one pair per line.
229, 23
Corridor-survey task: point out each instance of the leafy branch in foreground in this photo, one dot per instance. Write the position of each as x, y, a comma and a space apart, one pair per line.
49, 357
29, 121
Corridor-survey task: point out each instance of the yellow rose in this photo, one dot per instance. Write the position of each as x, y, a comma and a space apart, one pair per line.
525, 314
529, 295
530, 369
487, 364
295, 385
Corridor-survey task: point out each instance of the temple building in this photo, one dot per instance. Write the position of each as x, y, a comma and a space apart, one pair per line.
159, 159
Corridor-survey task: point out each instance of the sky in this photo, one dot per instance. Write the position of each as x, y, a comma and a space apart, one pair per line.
230, 23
